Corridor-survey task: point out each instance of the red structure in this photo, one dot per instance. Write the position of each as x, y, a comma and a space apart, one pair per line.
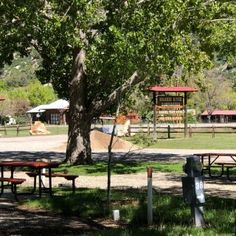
219, 116
172, 89
176, 103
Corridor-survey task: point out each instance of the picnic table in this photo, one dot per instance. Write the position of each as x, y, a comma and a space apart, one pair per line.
37, 166
211, 160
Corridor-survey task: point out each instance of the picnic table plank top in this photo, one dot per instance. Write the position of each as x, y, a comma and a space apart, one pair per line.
35, 164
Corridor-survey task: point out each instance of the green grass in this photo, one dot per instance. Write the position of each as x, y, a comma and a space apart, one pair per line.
53, 129
57, 129
198, 141
171, 215
100, 168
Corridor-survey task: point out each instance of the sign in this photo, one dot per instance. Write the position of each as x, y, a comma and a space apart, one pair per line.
169, 100
193, 190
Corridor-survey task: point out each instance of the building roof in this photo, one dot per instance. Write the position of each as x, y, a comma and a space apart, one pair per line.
172, 89
37, 109
57, 105
220, 113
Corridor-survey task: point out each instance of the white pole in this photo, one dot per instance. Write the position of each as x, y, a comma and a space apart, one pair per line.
149, 196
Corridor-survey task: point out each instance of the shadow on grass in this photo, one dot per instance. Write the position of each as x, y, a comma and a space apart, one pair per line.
120, 167
171, 215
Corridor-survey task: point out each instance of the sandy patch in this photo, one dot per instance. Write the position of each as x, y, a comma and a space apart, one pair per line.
100, 141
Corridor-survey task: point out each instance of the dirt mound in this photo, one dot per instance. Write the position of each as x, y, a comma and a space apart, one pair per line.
38, 128
100, 141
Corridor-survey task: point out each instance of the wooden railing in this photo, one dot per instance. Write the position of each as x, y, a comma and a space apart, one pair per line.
192, 129
17, 128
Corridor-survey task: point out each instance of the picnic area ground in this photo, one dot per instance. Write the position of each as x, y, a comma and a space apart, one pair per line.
19, 221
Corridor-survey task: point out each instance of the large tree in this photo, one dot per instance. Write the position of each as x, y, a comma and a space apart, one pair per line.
94, 51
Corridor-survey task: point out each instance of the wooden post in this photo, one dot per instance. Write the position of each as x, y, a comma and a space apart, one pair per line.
168, 130
149, 196
213, 131
5, 129
148, 128
190, 131
185, 115
17, 130
154, 117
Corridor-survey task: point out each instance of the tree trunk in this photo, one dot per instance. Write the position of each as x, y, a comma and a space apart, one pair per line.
78, 145
81, 113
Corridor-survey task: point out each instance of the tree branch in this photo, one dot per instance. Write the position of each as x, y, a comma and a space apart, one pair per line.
98, 106
220, 19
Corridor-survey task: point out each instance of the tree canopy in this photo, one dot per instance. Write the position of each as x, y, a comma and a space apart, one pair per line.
93, 52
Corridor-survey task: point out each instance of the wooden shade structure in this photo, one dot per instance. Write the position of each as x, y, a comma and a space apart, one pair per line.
159, 90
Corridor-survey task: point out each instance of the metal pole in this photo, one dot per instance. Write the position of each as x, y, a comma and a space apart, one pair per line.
149, 196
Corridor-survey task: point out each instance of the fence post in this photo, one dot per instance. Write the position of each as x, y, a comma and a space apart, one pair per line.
5, 129
168, 130
148, 131
213, 131
149, 196
17, 130
190, 131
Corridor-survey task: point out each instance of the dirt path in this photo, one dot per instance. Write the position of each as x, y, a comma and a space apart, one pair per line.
163, 182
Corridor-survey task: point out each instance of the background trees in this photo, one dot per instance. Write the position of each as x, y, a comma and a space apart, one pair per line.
21, 88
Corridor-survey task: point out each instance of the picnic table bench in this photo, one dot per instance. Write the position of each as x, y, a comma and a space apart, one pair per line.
228, 166
13, 182
214, 160
69, 177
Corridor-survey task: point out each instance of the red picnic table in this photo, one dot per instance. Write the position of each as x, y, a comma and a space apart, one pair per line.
35, 165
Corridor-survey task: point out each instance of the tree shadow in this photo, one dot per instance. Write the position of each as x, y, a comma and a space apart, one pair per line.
139, 156
32, 156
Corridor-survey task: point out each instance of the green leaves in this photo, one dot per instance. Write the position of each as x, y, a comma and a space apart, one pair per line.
119, 37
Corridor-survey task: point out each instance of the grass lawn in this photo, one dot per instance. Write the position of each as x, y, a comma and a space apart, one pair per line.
171, 215
100, 168
53, 129
198, 141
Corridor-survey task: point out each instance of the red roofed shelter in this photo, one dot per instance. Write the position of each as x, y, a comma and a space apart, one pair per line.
162, 100
220, 116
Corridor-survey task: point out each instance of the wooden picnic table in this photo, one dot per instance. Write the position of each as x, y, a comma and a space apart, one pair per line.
38, 166
210, 160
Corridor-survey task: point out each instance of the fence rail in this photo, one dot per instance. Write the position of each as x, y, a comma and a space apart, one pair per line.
191, 130
16, 128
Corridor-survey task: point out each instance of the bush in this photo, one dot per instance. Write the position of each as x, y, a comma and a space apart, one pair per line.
23, 119
142, 139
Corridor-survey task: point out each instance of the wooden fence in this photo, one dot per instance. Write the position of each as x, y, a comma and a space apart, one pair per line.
17, 128
169, 129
